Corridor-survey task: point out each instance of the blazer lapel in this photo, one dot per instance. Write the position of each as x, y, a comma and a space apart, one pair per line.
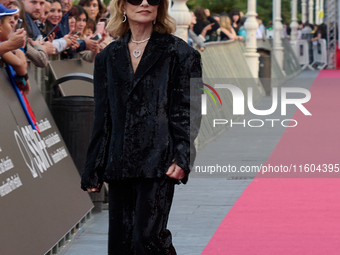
122, 62
153, 51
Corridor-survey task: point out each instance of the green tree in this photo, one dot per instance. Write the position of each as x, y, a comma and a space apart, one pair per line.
264, 8
217, 6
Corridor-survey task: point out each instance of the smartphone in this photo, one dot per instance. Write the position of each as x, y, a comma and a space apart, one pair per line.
19, 24
55, 29
103, 20
100, 27
97, 37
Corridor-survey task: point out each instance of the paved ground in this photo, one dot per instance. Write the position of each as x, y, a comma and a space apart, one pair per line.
201, 205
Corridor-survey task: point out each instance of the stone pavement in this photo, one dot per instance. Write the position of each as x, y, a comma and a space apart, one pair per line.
200, 206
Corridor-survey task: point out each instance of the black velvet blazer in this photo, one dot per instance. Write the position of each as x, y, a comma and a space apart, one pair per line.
142, 119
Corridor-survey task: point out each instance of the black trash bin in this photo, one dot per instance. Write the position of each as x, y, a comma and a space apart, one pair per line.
265, 70
74, 118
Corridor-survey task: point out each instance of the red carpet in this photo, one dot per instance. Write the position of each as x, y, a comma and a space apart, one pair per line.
299, 214
329, 73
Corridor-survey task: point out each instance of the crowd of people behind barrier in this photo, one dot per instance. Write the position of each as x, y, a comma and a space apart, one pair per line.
40, 28
219, 27
207, 27
35, 29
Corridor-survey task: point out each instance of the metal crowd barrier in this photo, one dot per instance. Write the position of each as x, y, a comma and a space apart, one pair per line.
302, 51
224, 62
36, 153
290, 67
57, 69
291, 64
320, 54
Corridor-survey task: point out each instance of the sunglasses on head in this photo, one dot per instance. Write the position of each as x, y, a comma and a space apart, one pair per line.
138, 2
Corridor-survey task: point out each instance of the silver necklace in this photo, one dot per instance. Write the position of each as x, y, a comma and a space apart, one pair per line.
137, 53
140, 41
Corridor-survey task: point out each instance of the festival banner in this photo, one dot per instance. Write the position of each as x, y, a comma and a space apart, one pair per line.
40, 195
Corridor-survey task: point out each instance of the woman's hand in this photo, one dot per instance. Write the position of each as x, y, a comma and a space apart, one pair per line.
71, 40
49, 48
17, 39
95, 50
93, 189
104, 35
51, 37
175, 172
91, 44
206, 29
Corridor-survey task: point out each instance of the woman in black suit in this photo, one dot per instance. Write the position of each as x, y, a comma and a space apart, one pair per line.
142, 141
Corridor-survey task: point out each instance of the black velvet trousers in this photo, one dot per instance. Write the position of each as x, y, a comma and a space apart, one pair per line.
138, 216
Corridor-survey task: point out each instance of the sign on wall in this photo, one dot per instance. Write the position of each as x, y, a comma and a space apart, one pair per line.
40, 195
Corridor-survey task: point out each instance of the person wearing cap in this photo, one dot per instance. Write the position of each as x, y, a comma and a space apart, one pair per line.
17, 39
15, 58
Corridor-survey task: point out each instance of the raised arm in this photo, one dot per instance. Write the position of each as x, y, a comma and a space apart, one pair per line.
16, 41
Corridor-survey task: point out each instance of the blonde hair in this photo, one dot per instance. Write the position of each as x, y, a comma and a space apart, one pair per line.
225, 22
116, 28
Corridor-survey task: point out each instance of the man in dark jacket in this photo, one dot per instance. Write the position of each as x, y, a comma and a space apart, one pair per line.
33, 9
